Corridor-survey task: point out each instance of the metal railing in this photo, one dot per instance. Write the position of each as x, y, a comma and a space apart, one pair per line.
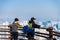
48, 36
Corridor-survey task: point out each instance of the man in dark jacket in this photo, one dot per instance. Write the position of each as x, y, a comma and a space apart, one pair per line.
33, 25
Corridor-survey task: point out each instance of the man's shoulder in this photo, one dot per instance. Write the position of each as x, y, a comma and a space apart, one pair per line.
10, 25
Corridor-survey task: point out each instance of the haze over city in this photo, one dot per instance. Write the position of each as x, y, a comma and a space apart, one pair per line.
25, 9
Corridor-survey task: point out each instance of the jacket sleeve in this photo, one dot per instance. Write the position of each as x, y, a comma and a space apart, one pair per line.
20, 26
35, 25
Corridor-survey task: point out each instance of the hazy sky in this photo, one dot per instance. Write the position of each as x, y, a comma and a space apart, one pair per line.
25, 9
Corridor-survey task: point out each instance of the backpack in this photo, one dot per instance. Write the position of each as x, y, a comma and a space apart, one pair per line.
29, 30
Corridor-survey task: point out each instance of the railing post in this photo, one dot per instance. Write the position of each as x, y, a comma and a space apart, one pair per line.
30, 38
50, 29
10, 32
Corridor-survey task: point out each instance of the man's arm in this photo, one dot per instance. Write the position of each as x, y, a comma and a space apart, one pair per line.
20, 26
35, 26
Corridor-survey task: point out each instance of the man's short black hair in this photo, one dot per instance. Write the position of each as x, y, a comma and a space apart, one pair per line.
16, 19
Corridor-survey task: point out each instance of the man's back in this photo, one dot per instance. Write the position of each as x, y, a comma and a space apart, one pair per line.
14, 28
